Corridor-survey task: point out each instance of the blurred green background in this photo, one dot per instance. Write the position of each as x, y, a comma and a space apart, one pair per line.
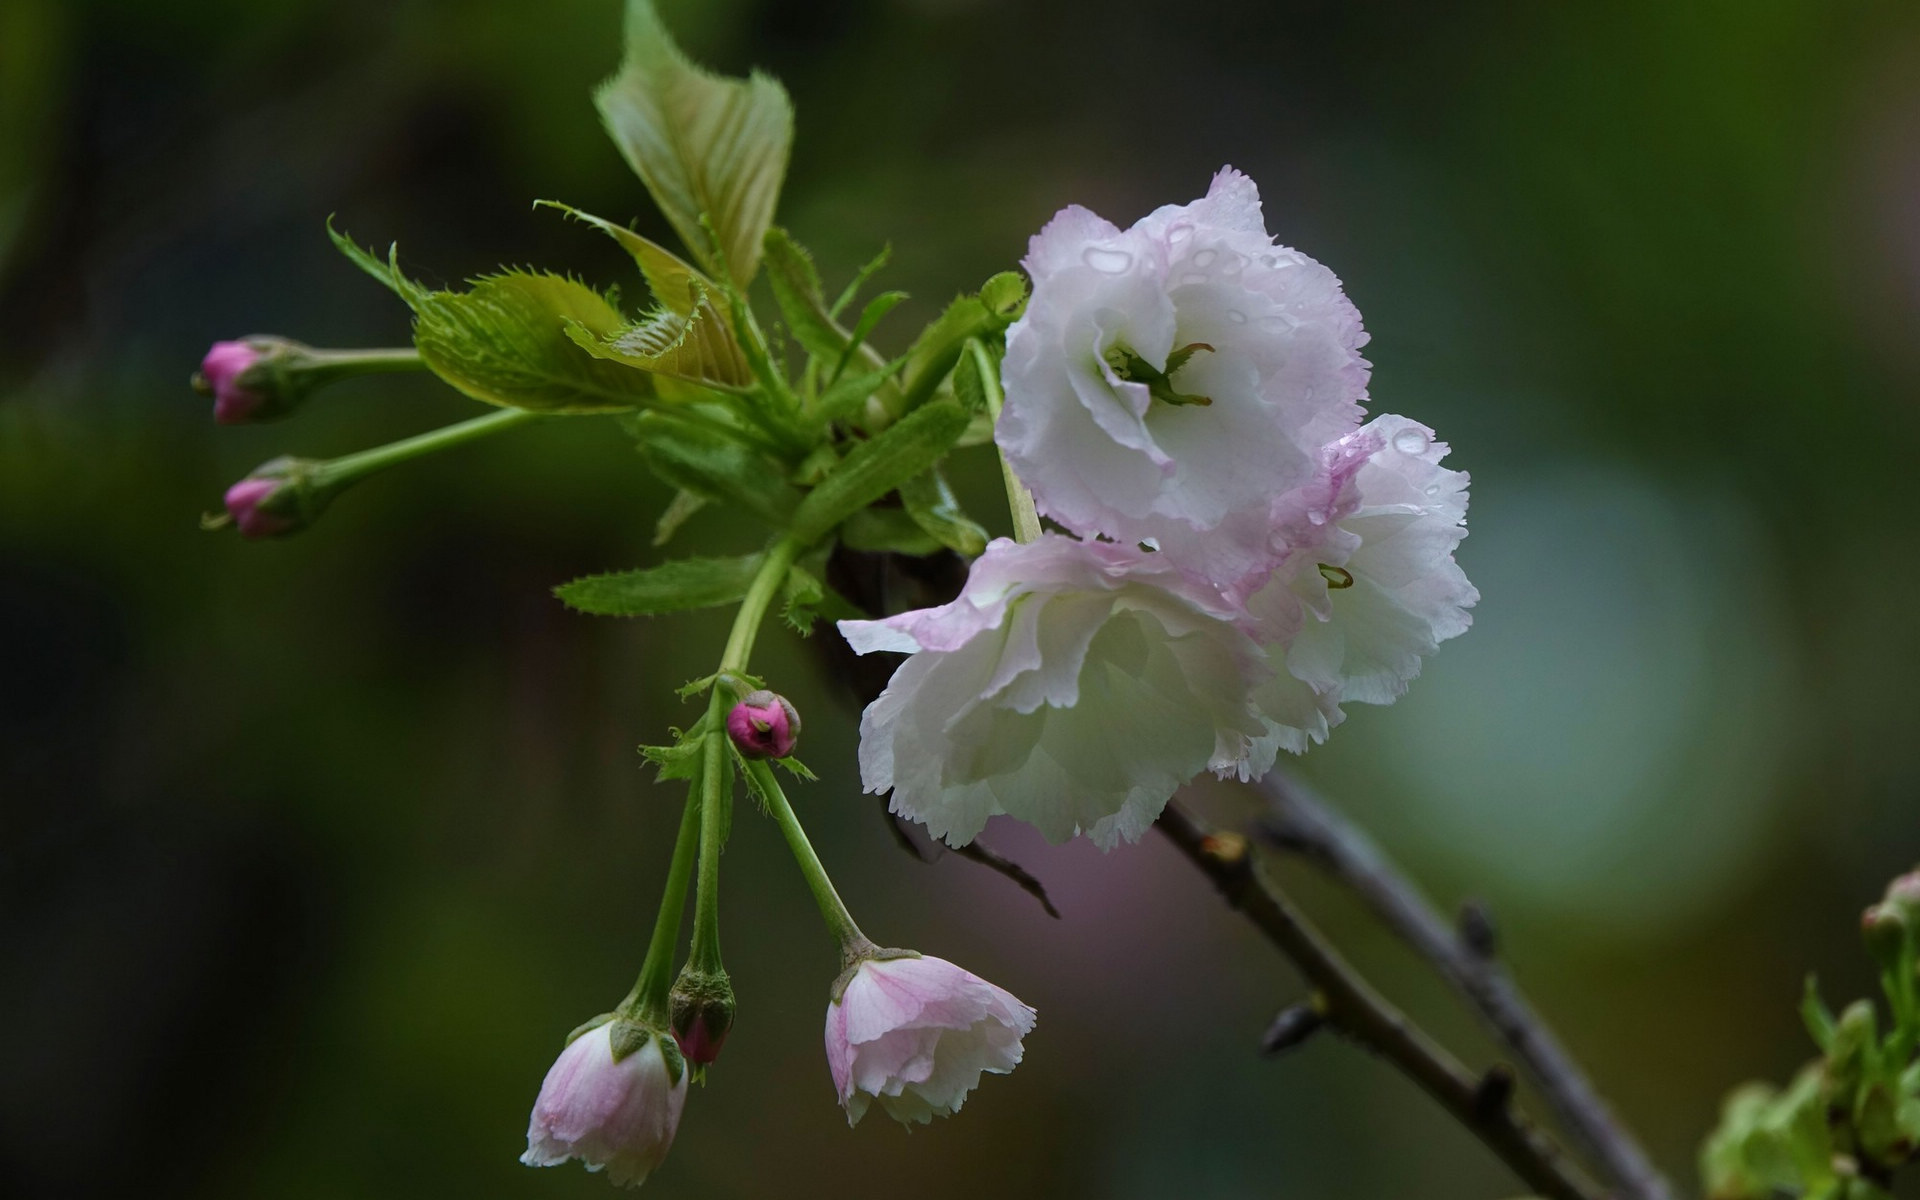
312, 851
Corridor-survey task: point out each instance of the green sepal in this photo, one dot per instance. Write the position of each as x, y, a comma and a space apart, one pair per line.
670, 587
878, 466
859, 280
1817, 1016
585, 1027
870, 318
719, 467
505, 340
629, 1037
934, 508
797, 769
704, 145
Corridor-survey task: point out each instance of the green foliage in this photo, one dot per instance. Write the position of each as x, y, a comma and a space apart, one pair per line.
796, 288
683, 505
889, 530
670, 587
984, 315
715, 464
506, 341
932, 506
703, 144
1852, 1116
878, 466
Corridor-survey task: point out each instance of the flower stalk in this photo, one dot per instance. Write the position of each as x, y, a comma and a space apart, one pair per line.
648, 999
854, 944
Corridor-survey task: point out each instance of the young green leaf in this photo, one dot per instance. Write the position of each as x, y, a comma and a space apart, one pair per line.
848, 394
876, 467
859, 281
670, 587
697, 349
702, 143
999, 302
506, 341
888, 530
931, 504
796, 288
870, 316
713, 465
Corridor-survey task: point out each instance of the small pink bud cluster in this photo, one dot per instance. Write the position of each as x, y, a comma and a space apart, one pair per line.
223, 372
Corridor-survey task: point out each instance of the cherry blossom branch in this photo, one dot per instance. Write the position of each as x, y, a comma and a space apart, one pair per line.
1352, 1007
1299, 821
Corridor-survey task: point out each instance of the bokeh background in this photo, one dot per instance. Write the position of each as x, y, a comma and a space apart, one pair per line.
312, 851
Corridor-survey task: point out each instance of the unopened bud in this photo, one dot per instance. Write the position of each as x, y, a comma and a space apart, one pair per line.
764, 725
263, 377
702, 1007
1886, 929
1904, 894
276, 498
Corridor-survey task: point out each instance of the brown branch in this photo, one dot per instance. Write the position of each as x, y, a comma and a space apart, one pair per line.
1299, 821
1353, 1008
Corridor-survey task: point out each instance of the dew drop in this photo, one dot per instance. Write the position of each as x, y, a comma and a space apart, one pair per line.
1110, 262
1236, 316
1316, 516
1205, 258
1179, 233
1433, 489
1269, 260
1410, 441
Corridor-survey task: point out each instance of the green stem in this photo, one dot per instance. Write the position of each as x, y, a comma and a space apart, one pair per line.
853, 943
1026, 520
716, 772
648, 999
341, 364
349, 468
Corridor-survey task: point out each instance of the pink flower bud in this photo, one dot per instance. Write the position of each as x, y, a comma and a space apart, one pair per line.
916, 1033
220, 374
612, 1110
243, 505
764, 725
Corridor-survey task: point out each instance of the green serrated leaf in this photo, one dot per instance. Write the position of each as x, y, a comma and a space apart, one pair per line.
878, 466
673, 281
670, 587
683, 505
932, 506
697, 349
720, 468
702, 143
796, 288
506, 341
801, 595
796, 768
678, 761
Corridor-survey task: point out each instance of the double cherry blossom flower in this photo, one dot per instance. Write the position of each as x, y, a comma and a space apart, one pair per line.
1185, 398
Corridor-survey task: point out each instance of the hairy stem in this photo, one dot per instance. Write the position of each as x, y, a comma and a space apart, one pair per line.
1482, 1104
1298, 821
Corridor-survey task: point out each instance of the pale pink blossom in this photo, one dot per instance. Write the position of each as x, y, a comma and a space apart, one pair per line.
1074, 685
916, 1033
612, 1112
1167, 381
1369, 586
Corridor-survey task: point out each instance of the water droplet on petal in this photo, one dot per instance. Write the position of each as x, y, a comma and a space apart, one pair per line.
1111, 262
1410, 441
1236, 316
1269, 260
1316, 516
1433, 489
1205, 258
1179, 233
1349, 452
